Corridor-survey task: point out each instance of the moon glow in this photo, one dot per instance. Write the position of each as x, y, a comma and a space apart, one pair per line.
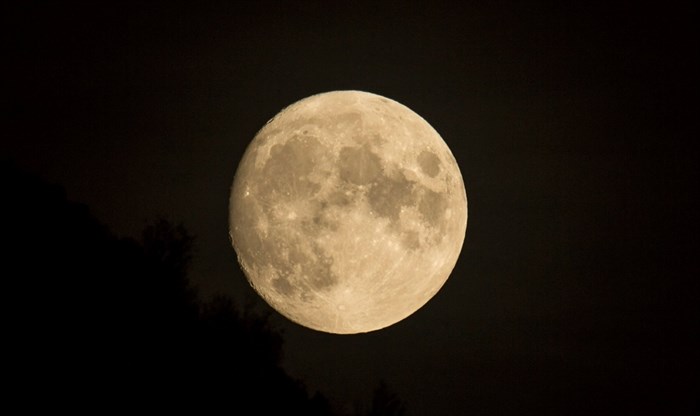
347, 212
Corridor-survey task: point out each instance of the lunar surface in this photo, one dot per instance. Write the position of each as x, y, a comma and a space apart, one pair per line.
347, 212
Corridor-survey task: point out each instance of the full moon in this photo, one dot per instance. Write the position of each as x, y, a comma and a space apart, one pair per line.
347, 212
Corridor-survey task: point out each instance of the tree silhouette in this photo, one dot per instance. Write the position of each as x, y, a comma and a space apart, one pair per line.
97, 322
385, 402
102, 322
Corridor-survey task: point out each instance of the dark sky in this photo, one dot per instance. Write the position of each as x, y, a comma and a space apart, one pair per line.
575, 129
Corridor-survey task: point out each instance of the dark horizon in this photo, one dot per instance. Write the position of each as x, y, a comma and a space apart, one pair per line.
574, 127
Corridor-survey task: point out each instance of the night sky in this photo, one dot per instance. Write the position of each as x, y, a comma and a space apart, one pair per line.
574, 127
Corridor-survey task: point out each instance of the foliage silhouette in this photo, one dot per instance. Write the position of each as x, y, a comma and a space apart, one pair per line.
386, 402
98, 321
102, 322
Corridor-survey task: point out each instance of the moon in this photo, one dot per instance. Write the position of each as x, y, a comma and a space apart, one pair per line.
347, 212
